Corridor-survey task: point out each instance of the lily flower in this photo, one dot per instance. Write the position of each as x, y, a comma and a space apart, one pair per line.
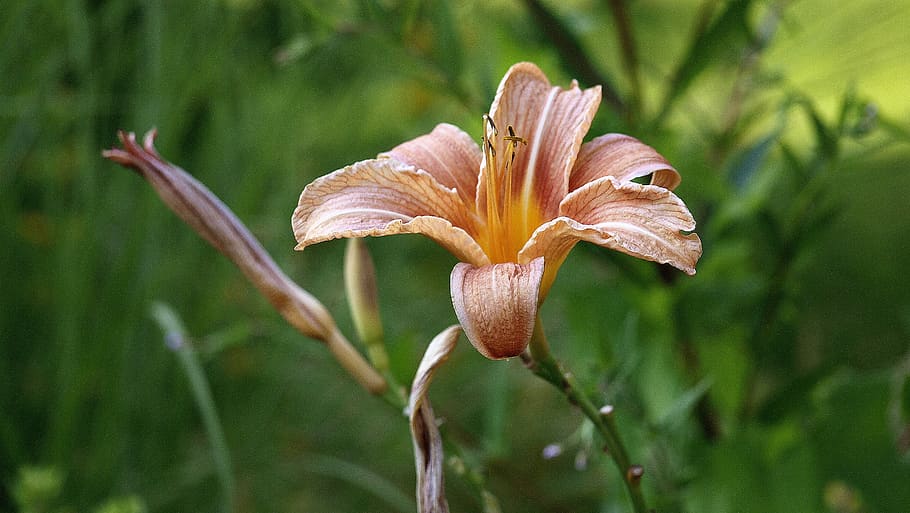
511, 208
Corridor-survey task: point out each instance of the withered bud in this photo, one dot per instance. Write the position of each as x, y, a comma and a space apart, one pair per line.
218, 225
428, 454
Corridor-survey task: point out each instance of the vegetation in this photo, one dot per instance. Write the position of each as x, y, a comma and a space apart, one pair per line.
775, 379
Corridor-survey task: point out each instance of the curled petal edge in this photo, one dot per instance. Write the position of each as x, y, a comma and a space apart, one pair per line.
385, 197
644, 221
561, 234
497, 305
623, 157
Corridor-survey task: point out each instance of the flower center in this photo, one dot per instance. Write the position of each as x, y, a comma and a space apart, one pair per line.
510, 218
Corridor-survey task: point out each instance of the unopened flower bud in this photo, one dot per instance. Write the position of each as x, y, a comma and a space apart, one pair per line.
218, 225
363, 299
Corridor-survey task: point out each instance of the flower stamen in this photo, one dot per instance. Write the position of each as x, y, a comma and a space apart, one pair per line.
503, 237
489, 153
512, 142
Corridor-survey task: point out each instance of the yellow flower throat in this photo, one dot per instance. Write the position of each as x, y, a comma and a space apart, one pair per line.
510, 218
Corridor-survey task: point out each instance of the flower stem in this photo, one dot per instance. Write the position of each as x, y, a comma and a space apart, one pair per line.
542, 363
354, 363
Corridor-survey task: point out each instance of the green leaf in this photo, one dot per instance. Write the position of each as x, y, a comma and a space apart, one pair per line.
757, 471
826, 138
854, 443
685, 403
447, 51
727, 35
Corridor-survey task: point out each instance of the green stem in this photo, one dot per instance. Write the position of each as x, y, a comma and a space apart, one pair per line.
175, 336
626, 34
542, 363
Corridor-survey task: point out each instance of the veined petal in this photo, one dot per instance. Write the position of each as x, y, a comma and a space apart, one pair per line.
384, 197
640, 220
623, 157
553, 121
447, 153
497, 305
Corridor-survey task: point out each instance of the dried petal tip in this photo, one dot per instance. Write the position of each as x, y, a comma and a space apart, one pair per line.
497, 305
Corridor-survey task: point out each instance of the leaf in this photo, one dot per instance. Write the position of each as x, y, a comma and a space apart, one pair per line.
447, 47
575, 60
854, 442
751, 159
728, 34
755, 471
685, 403
826, 138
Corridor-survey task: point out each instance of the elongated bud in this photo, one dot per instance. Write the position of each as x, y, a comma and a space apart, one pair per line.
218, 225
363, 299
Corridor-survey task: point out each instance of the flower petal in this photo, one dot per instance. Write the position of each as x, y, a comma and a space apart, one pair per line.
497, 305
623, 157
384, 197
640, 220
553, 121
447, 153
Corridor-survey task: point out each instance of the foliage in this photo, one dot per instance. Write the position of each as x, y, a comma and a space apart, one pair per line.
776, 379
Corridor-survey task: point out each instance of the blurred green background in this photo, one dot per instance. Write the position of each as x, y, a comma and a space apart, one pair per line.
776, 379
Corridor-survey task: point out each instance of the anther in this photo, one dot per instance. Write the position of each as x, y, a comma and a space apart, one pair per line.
514, 139
489, 126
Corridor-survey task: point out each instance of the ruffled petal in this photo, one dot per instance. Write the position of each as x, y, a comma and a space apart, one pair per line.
385, 197
623, 157
553, 121
497, 305
447, 153
640, 220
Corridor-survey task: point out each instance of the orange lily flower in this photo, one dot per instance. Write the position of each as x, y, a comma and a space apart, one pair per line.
512, 208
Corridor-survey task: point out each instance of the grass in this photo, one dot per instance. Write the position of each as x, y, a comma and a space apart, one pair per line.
87, 387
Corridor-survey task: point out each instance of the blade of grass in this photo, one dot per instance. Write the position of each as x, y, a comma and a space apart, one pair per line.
176, 339
629, 54
729, 31
358, 476
448, 44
